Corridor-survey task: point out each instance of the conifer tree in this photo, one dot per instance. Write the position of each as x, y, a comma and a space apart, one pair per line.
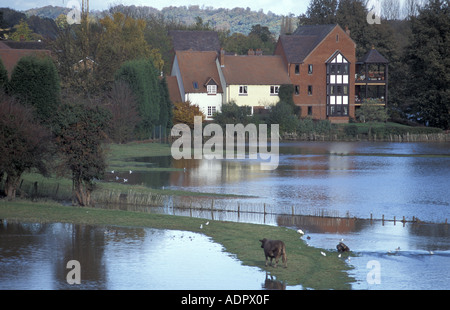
35, 82
429, 65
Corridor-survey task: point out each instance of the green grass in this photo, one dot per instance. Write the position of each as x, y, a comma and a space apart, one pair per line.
306, 266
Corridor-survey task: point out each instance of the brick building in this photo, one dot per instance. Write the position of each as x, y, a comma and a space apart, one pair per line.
320, 62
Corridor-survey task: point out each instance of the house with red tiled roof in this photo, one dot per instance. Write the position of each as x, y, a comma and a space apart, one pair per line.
252, 80
11, 52
198, 80
318, 60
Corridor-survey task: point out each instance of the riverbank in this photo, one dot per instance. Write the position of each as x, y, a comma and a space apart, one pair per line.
377, 132
306, 265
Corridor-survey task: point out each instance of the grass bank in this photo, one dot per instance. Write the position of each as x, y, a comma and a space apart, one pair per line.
306, 265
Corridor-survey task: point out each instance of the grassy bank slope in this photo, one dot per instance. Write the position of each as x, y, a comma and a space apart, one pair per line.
306, 265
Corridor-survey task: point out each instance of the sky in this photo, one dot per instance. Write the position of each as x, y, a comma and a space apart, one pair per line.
281, 7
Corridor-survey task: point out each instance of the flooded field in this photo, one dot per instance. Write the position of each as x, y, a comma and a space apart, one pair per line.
338, 183
333, 190
35, 256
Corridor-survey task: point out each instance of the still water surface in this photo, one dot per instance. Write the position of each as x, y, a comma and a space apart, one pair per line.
350, 180
355, 179
34, 256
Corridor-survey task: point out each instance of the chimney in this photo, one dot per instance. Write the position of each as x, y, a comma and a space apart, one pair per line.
222, 57
347, 30
251, 52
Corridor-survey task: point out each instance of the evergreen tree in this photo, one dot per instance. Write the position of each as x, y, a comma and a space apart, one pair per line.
35, 82
142, 78
166, 106
319, 12
429, 63
3, 77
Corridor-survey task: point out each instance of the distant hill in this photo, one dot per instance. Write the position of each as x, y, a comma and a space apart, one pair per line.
236, 20
48, 11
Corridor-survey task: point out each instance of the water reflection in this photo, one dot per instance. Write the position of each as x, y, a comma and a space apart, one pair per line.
34, 256
411, 255
363, 178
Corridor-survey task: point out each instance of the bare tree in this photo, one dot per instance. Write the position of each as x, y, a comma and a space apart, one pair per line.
411, 7
390, 9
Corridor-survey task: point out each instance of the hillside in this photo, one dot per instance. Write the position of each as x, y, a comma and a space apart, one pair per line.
238, 20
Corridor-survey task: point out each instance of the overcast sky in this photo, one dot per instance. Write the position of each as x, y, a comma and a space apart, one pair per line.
276, 6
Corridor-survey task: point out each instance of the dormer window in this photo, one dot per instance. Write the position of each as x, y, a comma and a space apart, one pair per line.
211, 86
211, 89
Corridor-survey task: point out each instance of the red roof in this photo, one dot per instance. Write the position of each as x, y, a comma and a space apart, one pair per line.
255, 70
10, 56
197, 68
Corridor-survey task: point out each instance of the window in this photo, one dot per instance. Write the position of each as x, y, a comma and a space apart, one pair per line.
297, 69
212, 89
309, 110
274, 90
243, 90
309, 90
211, 110
195, 84
345, 69
337, 38
310, 69
333, 69
297, 89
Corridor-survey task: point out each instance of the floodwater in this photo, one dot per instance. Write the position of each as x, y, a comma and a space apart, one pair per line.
347, 182
35, 256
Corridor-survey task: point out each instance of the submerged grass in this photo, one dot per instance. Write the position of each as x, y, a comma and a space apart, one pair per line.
306, 265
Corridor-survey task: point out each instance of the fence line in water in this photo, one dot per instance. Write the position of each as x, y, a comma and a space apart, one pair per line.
157, 202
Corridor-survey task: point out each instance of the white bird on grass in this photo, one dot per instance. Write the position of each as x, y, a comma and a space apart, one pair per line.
201, 226
125, 180
207, 223
300, 232
323, 254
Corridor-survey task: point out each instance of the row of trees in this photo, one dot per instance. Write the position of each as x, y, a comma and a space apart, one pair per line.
48, 122
40, 131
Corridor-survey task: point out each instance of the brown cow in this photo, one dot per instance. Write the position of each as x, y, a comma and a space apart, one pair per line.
274, 249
